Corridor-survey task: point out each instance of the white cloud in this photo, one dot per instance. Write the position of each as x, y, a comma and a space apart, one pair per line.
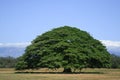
112, 46
109, 43
15, 44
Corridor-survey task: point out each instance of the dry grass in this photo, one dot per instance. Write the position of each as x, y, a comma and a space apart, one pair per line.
89, 74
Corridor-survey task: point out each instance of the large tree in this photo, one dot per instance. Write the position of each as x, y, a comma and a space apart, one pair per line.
65, 47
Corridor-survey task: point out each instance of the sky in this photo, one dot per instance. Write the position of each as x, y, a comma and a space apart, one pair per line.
21, 21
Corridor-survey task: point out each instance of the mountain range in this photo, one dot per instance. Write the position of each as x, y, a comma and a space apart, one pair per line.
18, 49
11, 51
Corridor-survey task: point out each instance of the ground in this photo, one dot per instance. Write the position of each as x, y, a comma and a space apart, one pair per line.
44, 74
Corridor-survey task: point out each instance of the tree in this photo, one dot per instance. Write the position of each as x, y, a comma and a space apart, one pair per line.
65, 47
7, 62
115, 61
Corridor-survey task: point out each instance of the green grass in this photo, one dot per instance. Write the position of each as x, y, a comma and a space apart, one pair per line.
43, 74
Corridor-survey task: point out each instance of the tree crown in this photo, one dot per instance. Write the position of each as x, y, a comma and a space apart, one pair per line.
66, 47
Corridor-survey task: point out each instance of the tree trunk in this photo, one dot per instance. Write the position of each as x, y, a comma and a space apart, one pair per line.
67, 70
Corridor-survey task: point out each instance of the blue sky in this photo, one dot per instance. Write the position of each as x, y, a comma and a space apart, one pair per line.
23, 20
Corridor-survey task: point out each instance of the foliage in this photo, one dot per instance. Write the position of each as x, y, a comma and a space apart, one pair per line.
7, 62
66, 47
115, 61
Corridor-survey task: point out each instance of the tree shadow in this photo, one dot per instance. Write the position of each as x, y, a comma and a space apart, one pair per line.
58, 72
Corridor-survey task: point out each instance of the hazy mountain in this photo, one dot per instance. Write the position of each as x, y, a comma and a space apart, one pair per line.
114, 50
112, 46
11, 51
17, 49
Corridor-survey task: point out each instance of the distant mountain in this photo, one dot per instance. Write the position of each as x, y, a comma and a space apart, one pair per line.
114, 50
113, 47
11, 51
17, 49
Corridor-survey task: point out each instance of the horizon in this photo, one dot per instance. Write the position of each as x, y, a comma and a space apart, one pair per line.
106, 43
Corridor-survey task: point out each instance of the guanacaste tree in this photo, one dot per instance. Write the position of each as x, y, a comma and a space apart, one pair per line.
64, 47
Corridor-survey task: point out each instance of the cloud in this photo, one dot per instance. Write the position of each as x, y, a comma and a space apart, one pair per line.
112, 46
22, 45
109, 43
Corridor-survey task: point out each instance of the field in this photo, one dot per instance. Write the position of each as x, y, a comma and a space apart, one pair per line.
44, 74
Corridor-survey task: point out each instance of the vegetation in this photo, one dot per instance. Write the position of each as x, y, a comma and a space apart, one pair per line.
115, 61
7, 62
65, 47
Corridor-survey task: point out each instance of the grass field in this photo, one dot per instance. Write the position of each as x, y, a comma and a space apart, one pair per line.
43, 74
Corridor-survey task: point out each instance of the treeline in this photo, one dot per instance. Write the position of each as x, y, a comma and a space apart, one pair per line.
9, 62
115, 61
